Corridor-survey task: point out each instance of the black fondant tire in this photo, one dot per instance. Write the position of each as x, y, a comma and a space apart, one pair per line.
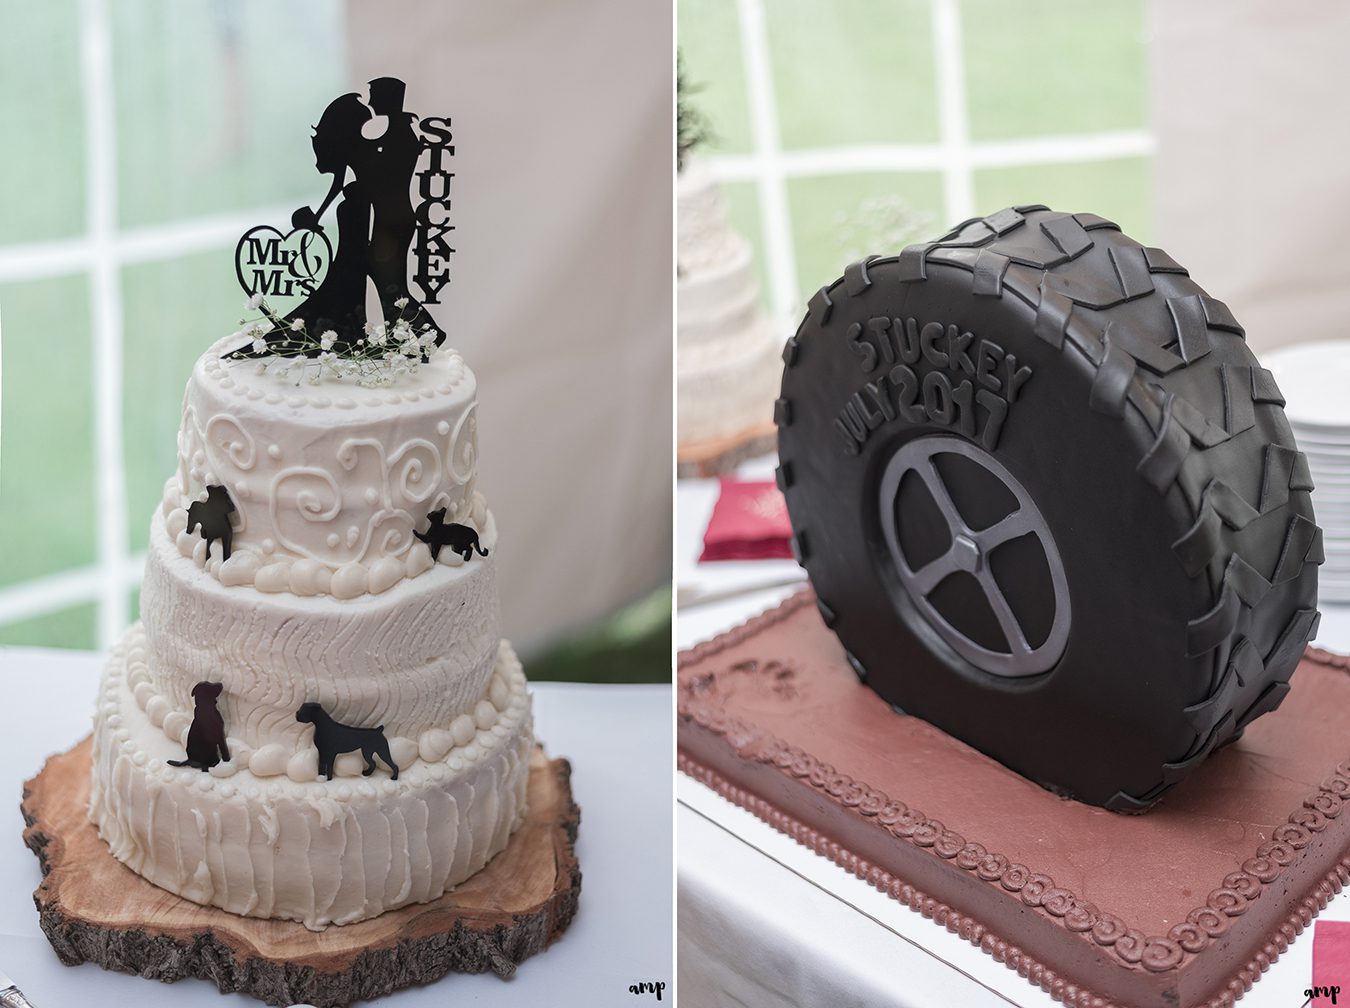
1049, 501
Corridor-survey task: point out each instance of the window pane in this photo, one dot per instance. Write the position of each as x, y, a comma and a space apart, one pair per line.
42, 174
839, 219
174, 310
853, 71
48, 513
207, 99
1117, 190
1050, 67
710, 46
68, 628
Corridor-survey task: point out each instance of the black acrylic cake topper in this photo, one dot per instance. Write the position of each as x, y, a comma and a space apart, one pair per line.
377, 223
213, 515
461, 539
333, 739
206, 737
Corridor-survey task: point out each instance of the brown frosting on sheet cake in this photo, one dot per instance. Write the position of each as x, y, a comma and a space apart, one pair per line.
1185, 905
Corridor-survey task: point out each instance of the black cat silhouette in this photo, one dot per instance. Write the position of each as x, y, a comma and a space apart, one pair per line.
333, 739
206, 738
460, 538
213, 515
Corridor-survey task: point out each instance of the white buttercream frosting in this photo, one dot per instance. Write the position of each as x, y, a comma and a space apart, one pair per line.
328, 598
254, 838
727, 355
410, 658
329, 481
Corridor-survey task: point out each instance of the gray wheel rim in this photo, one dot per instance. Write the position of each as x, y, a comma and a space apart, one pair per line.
969, 551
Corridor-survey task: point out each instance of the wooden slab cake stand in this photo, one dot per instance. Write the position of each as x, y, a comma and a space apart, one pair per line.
95, 909
719, 456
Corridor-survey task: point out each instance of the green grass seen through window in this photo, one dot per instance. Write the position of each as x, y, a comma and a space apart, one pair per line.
862, 72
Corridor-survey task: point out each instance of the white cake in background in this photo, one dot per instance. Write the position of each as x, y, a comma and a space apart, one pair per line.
327, 597
727, 354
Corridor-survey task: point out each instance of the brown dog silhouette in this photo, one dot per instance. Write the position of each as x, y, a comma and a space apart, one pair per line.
206, 738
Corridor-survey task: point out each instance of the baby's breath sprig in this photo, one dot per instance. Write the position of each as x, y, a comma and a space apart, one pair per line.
380, 357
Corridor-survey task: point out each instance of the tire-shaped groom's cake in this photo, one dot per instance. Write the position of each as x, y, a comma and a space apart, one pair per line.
1049, 501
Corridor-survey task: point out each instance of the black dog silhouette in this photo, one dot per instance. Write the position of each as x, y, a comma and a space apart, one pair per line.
213, 515
333, 739
206, 738
460, 538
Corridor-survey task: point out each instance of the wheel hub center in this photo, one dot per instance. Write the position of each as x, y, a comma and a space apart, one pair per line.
967, 554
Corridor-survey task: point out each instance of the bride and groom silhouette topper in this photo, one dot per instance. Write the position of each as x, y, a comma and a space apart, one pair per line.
376, 224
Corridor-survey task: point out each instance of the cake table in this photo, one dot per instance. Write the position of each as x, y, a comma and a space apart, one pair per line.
722, 455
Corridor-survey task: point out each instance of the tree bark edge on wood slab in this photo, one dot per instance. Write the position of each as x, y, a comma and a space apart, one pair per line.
94, 909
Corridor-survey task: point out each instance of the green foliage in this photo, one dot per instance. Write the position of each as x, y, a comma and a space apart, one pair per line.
630, 646
691, 126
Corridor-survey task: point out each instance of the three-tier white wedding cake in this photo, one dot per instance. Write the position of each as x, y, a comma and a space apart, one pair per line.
328, 597
727, 354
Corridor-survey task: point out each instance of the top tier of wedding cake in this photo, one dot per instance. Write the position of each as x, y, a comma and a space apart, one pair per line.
329, 480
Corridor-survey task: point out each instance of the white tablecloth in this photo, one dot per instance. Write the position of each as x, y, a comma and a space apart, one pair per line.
618, 739
764, 922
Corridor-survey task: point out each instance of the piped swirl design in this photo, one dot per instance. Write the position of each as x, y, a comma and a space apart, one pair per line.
263, 567
329, 481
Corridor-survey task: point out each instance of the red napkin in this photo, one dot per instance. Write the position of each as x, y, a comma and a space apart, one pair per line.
749, 522
1331, 962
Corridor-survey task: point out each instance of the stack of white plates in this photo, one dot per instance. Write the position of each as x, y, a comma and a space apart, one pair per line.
1315, 381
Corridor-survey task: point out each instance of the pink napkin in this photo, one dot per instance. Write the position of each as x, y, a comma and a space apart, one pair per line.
749, 522
1331, 963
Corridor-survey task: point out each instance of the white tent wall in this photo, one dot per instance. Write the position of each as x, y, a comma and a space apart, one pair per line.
562, 279
1251, 186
